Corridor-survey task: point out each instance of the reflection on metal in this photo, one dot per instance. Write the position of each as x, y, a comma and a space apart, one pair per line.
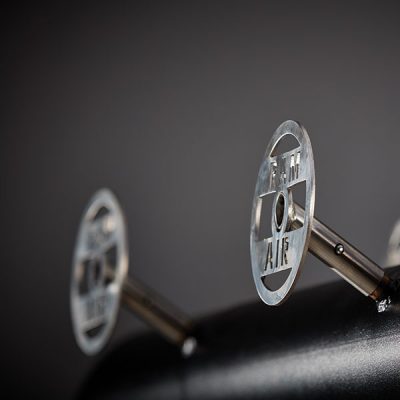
287, 248
383, 305
393, 251
294, 228
99, 281
101, 248
344, 259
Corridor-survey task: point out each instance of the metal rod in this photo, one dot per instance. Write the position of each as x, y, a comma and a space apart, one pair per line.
344, 259
159, 314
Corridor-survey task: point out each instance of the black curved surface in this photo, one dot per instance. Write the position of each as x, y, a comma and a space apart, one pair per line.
327, 342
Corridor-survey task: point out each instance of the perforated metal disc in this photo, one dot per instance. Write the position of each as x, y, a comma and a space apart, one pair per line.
393, 251
284, 251
100, 265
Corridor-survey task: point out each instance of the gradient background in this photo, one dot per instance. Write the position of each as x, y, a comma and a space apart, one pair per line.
171, 105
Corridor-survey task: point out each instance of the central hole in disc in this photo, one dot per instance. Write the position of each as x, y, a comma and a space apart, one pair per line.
279, 210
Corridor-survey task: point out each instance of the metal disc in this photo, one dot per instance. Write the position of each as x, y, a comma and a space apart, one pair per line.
283, 253
393, 251
100, 265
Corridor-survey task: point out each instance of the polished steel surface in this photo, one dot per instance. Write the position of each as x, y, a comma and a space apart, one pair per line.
343, 258
99, 282
295, 230
393, 251
285, 249
159, 314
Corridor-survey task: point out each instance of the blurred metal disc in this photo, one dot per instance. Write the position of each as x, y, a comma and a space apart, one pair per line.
100, 265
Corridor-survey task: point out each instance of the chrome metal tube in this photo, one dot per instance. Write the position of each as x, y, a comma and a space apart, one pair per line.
159, 314
344, 259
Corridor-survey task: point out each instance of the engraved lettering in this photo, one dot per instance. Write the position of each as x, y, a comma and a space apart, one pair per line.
269, 258
96, 307
274, 167
294, 166
285, 248
277, 253
283, 171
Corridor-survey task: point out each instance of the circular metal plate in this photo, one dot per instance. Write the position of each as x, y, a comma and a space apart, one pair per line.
393, 251
100, 266
285, 251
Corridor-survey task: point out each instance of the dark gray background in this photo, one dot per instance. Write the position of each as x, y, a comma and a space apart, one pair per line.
171, 105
